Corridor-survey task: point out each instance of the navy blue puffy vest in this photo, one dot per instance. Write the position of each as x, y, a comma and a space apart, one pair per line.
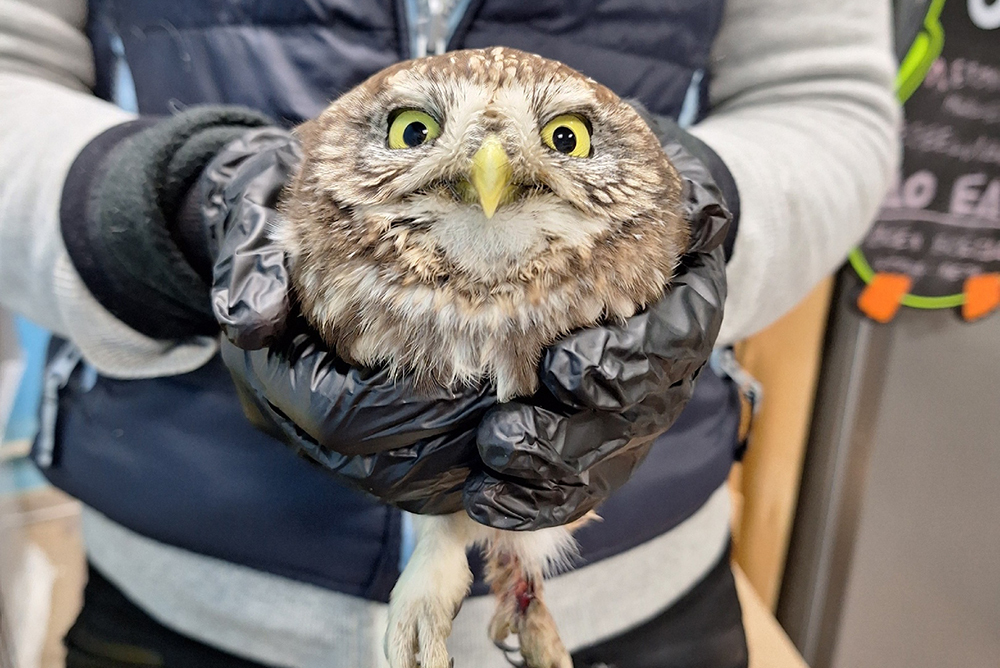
174, 458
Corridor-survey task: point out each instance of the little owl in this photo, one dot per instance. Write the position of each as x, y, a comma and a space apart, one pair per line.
453, 216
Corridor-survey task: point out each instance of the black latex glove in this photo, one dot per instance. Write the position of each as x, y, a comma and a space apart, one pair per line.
376, 434
607, 391
134, 213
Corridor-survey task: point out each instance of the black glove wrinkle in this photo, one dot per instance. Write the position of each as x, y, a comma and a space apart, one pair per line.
251, 293
699, 157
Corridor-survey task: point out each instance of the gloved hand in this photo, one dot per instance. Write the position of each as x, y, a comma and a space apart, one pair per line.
136, 207
608, 391
414, 451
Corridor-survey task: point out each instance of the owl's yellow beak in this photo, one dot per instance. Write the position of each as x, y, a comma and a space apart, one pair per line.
491, 174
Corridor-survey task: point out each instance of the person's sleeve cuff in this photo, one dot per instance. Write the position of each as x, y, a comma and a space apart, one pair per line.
125, 218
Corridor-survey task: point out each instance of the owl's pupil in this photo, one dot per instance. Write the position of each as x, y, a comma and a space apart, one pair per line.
415, 134
563, 139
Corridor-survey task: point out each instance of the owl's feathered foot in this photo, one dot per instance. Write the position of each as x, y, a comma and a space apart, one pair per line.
417, 636
428, 595
521, 611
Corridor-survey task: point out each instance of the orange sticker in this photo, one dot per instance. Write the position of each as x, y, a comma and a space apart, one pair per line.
880, 300
982, 295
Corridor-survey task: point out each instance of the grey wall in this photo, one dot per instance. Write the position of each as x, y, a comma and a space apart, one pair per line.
923, 589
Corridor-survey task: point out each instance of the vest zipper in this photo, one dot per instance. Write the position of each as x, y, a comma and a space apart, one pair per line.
431, 24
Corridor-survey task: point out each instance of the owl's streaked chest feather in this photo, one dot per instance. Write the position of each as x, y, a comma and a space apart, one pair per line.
394, 262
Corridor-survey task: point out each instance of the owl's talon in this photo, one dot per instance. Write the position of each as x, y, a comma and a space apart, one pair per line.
504, 647
509, 656
541, 645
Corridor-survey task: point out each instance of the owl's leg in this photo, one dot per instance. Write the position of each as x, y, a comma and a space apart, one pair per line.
514, 570
429, 593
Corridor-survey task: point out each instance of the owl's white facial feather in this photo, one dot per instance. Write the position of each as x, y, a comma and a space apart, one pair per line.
492, 249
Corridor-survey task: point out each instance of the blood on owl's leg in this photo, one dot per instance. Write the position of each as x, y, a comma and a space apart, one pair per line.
514, 571
429, 593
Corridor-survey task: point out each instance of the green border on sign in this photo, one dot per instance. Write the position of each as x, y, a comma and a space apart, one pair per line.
923, 52
866, 273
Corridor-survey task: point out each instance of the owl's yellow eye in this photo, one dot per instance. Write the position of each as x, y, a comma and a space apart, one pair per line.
412, 127
568, 134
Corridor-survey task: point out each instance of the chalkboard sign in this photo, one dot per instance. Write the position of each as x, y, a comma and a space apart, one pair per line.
936, 243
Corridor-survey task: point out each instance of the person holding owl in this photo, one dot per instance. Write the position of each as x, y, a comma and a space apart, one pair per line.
145, 152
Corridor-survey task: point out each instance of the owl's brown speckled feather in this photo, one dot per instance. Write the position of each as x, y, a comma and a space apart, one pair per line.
396, 264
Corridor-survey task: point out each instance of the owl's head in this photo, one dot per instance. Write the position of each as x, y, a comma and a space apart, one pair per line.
483, 168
